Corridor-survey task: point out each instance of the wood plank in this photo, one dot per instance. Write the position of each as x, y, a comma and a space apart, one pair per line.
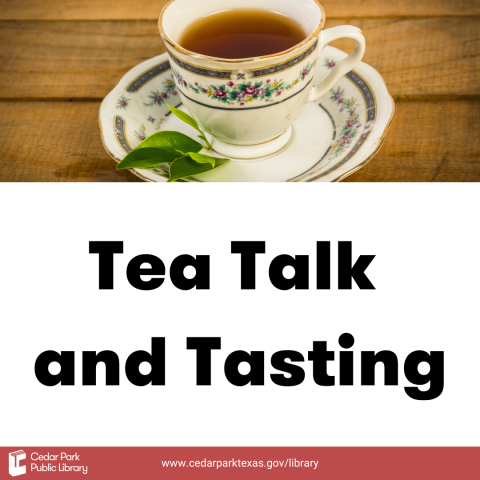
133, 9
60, 141
71, 59
78, 60
434, 56
53, 142
428, 142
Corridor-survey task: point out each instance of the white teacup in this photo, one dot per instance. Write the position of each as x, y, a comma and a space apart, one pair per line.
248, 105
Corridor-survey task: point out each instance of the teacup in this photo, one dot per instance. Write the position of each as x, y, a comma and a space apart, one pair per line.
256, 120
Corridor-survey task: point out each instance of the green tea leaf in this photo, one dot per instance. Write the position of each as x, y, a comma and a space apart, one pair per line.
181, 151
199, 158
171, 141
193, 164
146, 158
185, 117
158, 148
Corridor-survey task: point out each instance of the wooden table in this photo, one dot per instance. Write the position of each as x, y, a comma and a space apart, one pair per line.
59, 58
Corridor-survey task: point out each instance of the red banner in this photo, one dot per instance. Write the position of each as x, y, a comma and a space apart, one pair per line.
337, 463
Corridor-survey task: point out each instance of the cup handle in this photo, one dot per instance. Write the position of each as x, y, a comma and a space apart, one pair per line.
349, 63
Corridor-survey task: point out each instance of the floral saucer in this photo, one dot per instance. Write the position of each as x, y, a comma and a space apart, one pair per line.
331, 139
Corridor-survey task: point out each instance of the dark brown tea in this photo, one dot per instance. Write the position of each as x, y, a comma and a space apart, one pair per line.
242, 34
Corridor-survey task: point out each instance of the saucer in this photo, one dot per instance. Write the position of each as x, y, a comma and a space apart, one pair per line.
331, 139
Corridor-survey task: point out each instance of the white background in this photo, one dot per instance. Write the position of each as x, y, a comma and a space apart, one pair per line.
426, 242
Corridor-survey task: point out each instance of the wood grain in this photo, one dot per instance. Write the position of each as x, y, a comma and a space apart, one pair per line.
85, 60
60, 141
71, 59
134, 9
421, 57
428, 142
54, 141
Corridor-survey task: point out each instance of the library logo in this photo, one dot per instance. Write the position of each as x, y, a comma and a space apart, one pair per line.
14, 467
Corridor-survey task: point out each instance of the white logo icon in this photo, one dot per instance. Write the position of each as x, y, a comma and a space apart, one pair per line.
14, 468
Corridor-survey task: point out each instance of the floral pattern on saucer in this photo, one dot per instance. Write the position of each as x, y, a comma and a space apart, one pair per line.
329, 63
159, 98
242, 93
122, 102
145, 77
352, 124
141, 133
353, 133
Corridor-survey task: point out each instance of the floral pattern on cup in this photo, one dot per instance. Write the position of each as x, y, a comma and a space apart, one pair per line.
199, 70
245, 93
123, 102
159, 98
283, 66
236, 75
151, 119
